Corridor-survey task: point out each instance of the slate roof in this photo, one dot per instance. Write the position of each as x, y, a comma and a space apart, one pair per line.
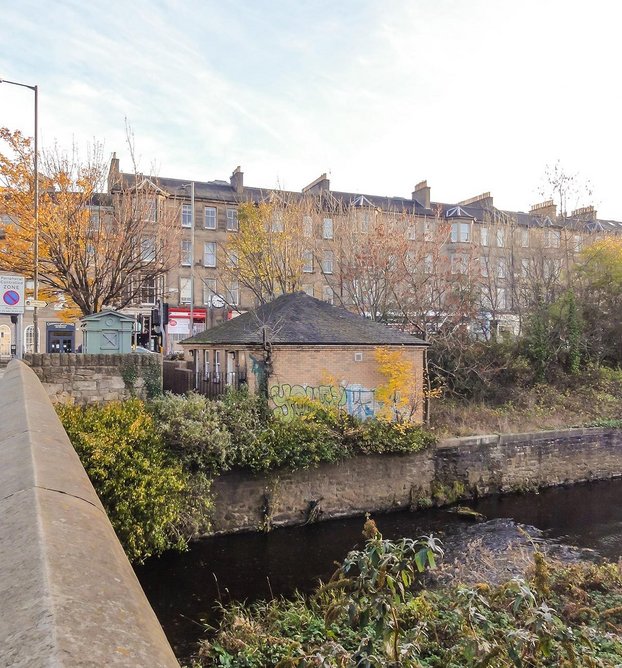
298, 318
481, 210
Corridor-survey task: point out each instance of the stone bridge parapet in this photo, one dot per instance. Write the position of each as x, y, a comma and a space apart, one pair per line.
69, 595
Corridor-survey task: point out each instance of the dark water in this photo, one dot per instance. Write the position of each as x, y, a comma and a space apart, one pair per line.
184, 588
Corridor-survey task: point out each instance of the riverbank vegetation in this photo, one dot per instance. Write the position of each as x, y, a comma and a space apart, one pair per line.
559, 366
151, 462
378, 611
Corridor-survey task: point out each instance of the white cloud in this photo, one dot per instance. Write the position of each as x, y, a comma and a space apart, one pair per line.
473, 96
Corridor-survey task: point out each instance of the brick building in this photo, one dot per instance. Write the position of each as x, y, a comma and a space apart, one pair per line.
300, 346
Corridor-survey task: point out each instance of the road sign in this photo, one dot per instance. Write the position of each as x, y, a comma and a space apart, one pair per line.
35, 303
11, 294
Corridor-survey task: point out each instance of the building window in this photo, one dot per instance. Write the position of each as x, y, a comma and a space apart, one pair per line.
186, 215
411, 232
186, 252
29, 339
552, 238
552, 268
232, 220
524, 238
210, 221
216, 366
151, 210
428, 264
428, 230
276, 224
525, 267
458, 264
185, 290
147, 249
327, 228
206, 366
501, 237
307, 226
578, 243
327, 262
308, 288
461, 232
94, 221
209, 291
365, 220
209, 254
483, 265
232, 293
501, 299
483, 236
502, 268
148, 290
307, 262
232, 259
328, 295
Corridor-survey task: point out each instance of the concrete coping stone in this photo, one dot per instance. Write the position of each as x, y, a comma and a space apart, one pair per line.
506, 439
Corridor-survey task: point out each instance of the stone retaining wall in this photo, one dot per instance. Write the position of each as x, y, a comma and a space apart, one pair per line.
84, 378
456, 468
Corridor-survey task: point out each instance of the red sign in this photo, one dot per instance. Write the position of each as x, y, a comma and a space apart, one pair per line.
181, 313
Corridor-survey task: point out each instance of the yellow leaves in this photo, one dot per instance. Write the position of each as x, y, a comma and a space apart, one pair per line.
602, 261
399, 396
269, 248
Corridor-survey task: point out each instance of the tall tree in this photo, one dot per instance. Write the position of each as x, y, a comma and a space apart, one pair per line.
274, 243
95, 249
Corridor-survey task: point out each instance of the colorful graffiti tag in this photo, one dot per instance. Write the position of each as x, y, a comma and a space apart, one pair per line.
355, 399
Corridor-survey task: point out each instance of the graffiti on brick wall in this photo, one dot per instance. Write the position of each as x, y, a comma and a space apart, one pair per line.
286, 398
355, 399
360, 402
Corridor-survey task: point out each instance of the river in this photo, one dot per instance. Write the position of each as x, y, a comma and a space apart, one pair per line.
581, 521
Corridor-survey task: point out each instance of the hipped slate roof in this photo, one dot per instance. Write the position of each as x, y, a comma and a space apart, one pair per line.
300, 319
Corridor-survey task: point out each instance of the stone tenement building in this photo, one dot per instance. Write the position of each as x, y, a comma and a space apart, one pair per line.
408, 259
354, 248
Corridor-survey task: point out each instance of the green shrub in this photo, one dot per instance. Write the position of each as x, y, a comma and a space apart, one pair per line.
380, 437
147, 495
192, 427
244, 416
298, 444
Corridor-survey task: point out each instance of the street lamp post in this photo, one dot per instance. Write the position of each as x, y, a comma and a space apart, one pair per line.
35, 314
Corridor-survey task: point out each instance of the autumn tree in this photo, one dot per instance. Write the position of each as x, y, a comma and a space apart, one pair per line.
599, 297
274, 244
95, 249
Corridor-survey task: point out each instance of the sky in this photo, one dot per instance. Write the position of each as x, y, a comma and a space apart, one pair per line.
472, 95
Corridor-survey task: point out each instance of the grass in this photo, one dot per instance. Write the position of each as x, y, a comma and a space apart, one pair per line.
593, 399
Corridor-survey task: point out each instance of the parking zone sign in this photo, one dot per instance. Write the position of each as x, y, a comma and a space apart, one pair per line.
11, 294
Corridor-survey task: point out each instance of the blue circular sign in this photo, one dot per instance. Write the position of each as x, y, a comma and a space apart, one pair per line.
10, 297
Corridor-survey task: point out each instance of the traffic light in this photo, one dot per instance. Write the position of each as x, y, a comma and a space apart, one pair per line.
155, 317
164, 313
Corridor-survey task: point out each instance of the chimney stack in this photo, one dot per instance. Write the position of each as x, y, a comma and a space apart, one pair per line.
544, 209
237, 180
114, 173
318, 186
421, 194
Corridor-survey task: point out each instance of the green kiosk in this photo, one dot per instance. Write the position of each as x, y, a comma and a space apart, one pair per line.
107, 332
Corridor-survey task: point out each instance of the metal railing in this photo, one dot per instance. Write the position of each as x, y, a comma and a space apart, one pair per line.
215, 386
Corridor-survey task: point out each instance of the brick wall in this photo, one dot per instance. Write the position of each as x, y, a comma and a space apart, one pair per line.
331, 365
84, 378
481, 465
